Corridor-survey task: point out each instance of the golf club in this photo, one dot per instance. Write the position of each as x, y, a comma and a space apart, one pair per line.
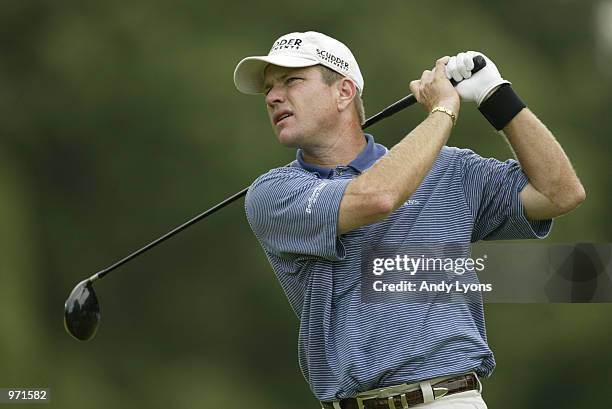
82, 310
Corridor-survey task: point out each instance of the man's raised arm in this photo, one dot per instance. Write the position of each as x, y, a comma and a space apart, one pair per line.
553, 188
380, 190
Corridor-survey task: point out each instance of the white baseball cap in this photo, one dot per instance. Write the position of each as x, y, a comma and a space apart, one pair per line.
298, 50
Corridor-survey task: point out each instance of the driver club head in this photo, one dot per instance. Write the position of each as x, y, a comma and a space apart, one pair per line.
82, 311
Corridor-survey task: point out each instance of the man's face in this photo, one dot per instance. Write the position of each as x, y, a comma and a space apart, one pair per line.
300, 105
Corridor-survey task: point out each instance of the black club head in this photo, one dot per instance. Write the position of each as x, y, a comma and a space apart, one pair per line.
82, 311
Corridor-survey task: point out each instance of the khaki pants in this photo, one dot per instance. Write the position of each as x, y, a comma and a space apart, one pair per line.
462, 400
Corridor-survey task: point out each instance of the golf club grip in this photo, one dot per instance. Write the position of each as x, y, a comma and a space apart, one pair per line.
479, 64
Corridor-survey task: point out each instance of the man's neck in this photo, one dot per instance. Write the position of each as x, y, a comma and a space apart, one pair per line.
339, 149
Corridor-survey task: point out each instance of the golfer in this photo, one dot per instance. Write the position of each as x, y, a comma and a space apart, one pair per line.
313, 217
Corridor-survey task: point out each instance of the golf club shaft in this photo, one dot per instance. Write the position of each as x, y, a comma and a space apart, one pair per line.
479, 64
171, 233
397, 106
392, 109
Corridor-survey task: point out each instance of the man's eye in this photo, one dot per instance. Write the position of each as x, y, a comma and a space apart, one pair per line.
292, 79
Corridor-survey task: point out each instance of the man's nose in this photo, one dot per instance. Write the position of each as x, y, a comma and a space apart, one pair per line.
275, 96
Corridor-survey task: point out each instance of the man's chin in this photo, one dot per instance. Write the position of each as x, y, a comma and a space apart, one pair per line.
288, 139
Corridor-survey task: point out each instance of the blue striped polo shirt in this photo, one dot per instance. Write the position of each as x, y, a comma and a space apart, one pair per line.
345, 345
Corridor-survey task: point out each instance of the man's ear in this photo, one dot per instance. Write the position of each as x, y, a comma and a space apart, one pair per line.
347, 91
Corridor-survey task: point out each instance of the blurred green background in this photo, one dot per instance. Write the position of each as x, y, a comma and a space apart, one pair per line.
119, 120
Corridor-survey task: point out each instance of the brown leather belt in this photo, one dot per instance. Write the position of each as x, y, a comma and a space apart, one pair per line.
404, 400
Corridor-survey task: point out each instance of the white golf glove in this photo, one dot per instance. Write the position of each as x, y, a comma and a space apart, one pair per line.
475, 88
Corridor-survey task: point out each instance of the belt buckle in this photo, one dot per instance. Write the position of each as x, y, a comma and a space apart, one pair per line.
390, 401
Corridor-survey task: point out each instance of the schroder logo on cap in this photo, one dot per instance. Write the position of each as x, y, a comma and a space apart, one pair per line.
298, 50
286, 43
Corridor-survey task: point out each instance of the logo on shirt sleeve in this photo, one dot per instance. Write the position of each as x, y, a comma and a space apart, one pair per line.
314, 196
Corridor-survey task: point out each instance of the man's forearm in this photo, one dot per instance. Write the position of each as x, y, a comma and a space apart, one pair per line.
375, 194
545, 163
399, 173
396, 176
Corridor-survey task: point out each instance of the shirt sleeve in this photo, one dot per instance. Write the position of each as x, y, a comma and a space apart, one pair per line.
294, 213
492, 191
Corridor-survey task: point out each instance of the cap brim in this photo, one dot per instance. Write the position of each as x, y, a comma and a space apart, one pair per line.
249, 73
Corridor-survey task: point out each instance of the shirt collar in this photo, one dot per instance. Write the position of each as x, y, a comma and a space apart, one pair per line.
368, 156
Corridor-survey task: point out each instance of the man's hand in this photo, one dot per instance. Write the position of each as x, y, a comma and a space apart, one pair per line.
480, 86
434, 89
